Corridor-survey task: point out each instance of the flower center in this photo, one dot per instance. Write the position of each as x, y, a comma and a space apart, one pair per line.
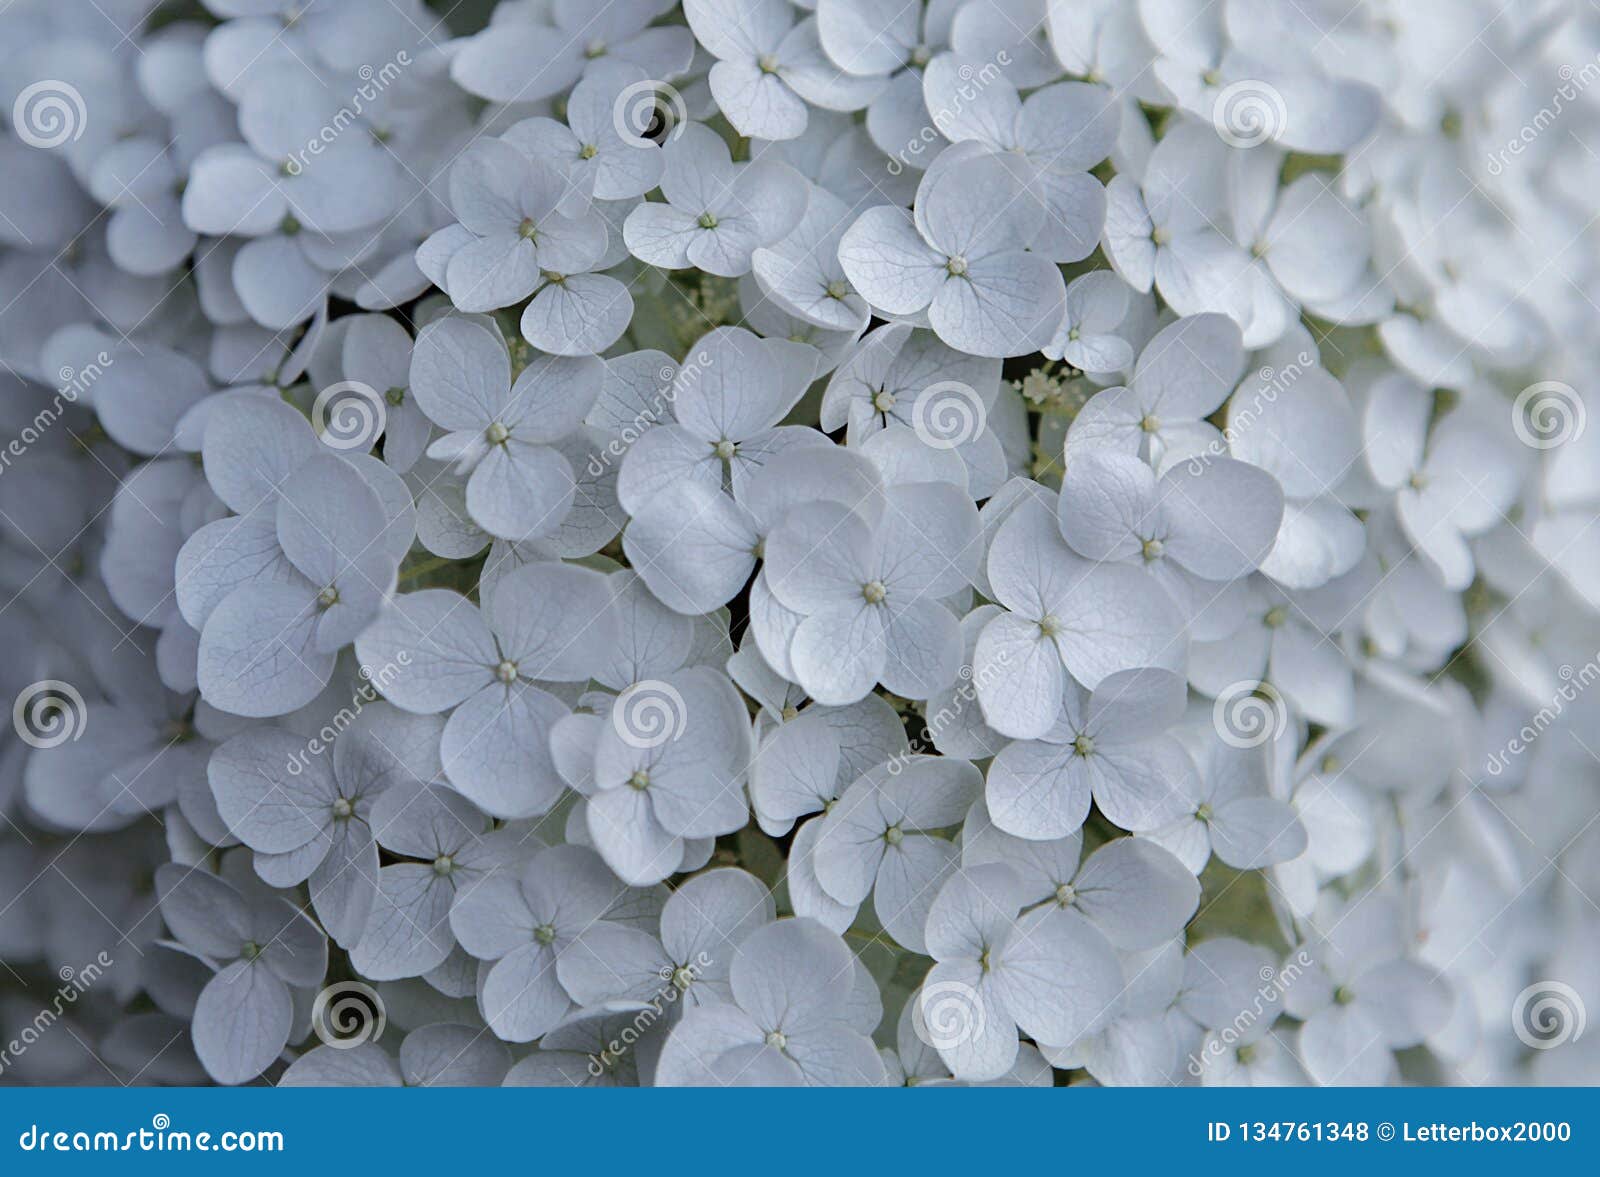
528, 231
1343, 995
544, 934
1149, 423
725, 449
1159, 235
1153, 549
1418, 480
776, 1040
1246, 1054
496, 434
1049, 625
395, 396
639, 780
921, 55
708, 220
894, 835
1275, 617
1203, 813
956, 266
249, 950
342, 809
588, 151
444, 864
682, 978
1065, 894
873, 592
1083, 745
837, 289
328, 597
289, 226
594, 49
767, 63
506, 671
1211, 77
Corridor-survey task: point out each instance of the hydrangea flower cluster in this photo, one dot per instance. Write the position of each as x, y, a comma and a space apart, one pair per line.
850, 542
